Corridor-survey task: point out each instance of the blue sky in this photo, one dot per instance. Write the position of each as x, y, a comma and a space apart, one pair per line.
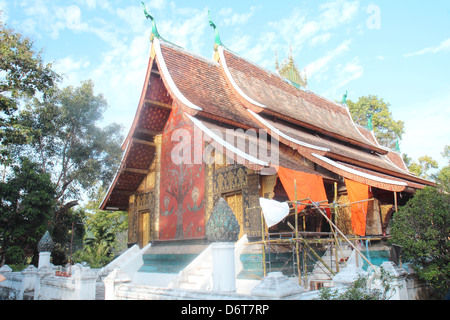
397, 50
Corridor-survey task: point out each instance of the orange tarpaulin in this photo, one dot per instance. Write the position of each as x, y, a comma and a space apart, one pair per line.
357, 192
308, 186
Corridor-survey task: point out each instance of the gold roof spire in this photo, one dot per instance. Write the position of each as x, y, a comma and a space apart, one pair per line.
290, 70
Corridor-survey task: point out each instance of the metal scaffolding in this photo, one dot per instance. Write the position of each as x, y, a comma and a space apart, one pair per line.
301, 243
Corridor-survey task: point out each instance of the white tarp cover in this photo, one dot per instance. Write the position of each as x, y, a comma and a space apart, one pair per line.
273, 211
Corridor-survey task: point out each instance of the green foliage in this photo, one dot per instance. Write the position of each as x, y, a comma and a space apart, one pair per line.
386, 129
58, 131
97, 255
446, 153
105, 226
362, 289
67, 141
68, 234
24, 75
422, 228
443, 176
422, 167
443, 179
26, 209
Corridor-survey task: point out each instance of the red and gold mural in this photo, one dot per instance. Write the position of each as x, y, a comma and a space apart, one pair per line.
182, 196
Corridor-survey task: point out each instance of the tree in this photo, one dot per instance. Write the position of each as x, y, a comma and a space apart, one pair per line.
422, 167
26, 208
443, 176
443, 179
96, 255
425, 163
422, 228
446, 153
105, 226
386, 129
104, 229
57, 130
66, 141
23, 75
68, 232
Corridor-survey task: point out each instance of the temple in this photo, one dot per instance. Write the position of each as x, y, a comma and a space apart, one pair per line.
207, 129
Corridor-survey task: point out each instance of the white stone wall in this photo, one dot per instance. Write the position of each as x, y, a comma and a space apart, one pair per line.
45, 285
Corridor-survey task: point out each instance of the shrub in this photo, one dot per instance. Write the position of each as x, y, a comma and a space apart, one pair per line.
422, 228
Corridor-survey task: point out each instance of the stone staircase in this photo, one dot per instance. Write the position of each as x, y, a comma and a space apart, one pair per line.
198, 274
170, 257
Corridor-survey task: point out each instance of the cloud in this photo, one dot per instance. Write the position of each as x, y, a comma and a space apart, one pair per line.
3, 11
336, 13
299, 28
69, 64
443, 46
94, 4
41, 15
303, 27
72, 69
342, 74
320, 66
187, 33
233, 19
320, 39
348, 72
129, 15
72, 16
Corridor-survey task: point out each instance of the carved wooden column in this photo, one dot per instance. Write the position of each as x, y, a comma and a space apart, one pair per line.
158, 142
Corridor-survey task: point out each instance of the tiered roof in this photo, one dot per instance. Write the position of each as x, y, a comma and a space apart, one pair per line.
232, 92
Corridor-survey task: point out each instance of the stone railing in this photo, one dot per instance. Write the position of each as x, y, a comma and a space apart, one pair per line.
17, 284
45, 284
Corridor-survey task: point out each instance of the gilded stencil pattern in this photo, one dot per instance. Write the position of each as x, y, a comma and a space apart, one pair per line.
145, 201
234, 179
138, 203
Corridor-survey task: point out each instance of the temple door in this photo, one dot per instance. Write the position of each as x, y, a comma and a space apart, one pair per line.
144, 229
235, 203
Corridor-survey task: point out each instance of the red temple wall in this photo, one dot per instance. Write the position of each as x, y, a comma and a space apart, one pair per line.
182, 196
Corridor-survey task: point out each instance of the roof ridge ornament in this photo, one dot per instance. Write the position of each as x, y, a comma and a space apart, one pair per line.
344, 98
155, 32
369, 122
397, 146
217, 41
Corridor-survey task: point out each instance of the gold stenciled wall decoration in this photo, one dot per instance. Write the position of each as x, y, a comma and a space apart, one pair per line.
237, 179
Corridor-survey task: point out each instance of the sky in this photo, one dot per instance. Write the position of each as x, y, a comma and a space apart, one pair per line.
397, 50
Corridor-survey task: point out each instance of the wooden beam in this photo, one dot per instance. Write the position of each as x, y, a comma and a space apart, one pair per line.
147, 131
140, 171
140, 141
158, 104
